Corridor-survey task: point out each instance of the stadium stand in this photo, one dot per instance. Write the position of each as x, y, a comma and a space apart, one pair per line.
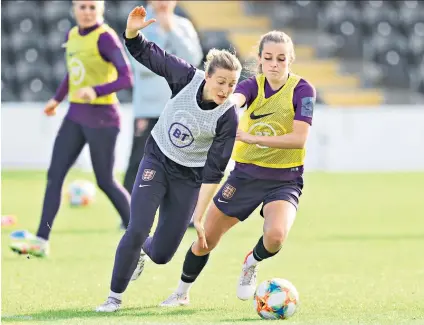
354, 52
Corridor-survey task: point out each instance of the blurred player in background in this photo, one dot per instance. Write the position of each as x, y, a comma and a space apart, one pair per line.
97, 68
176, 35
185, 158
269, 157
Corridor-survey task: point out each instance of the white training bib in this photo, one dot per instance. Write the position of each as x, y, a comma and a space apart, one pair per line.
185, 132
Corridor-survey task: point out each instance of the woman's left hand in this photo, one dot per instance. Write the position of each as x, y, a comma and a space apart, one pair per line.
245, 137
87, 94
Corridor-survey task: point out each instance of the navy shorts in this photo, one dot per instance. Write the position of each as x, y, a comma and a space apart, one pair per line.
241, 194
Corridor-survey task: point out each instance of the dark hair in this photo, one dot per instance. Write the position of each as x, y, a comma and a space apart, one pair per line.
274, 36
221, 59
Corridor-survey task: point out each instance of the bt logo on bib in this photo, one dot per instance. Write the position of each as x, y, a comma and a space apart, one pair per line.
180, 135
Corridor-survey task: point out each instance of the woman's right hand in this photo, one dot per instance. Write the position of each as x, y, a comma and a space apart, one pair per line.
200, 234
51, 107
137, 20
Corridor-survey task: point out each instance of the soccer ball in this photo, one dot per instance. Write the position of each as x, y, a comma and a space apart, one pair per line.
81, 193
276, 299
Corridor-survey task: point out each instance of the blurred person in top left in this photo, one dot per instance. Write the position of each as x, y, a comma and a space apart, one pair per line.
97, 68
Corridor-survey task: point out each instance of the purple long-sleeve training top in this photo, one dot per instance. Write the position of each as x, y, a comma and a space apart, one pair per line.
178, 73
111, 50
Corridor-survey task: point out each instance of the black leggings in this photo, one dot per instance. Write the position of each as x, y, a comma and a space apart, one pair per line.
69, 143
142, 130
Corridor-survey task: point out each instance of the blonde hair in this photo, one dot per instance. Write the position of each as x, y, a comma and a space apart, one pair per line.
274, 36
100, 7
221, 59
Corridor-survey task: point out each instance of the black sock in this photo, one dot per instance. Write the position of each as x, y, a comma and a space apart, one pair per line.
260, 252
192, 266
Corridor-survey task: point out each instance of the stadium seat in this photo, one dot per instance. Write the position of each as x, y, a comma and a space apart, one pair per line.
20, 43
35, 90
215, 39
54, 11
26, 25
412, 21
8, 74
378, 46
296, 14
27, 71
355, 98
201, 11
380, 16
6, 51
124, 8
417, 77
409, 4
343, 21
110, 12
54, 41
13, 12
416, 50
391, 53
58, 73
8, 92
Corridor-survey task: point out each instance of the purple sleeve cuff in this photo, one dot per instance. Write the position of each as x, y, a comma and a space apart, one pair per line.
248, 88
111, 50
62, 90
220, 151
304, 98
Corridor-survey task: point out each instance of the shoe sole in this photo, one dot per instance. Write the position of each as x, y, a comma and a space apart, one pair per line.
19, 252
174, 306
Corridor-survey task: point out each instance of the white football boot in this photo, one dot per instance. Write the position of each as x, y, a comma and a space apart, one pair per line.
109, 306
140, 265
247, 281
176, 300
24, 242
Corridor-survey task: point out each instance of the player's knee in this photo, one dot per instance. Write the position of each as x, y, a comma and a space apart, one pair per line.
105, 184
135, 237
275, 237
160, 257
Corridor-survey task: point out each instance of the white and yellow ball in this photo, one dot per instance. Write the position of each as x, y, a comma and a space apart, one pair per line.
276, 299
81, 193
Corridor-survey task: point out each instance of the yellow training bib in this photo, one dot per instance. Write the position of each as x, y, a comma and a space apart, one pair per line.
86, 67
271, 116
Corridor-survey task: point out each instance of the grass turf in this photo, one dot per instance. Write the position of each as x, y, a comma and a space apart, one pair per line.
355, 255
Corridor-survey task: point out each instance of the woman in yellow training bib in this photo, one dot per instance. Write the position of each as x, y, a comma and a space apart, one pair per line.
269, 156
97, 69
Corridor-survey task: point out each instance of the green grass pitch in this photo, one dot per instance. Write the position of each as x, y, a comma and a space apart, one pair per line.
355, 255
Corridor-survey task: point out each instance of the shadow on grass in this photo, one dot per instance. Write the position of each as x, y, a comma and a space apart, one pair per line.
64, 314
153, 312
243, 319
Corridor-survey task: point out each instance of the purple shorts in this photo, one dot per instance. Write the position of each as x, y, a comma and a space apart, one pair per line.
241, 194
